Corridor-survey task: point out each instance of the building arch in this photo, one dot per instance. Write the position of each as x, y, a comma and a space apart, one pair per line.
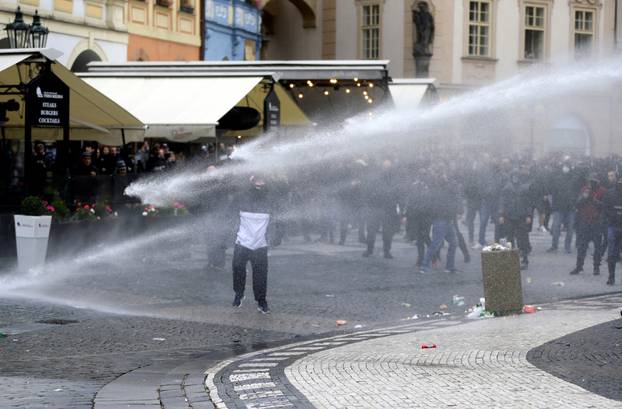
570, 134
86, 53
305, 7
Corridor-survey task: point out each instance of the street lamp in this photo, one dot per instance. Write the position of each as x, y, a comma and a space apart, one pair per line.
18, 31
22, 35
38, 33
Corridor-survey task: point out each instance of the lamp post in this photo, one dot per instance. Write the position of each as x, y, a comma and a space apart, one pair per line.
18, 31
38, 33
22, 35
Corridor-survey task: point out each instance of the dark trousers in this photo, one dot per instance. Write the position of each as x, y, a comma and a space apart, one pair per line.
473, 207
461, 243
587, 233
516, 232
614, 246
259, 263
388, 230
567, 218
488, 211
419, 227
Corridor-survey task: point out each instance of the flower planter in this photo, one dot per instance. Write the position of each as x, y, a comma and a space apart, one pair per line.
31, 236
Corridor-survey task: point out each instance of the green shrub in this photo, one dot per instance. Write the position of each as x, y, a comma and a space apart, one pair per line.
61, 210
33, 206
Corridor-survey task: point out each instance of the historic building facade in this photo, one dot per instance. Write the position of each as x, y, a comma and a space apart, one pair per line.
465, 44
232, 30
468, 42
83, 30
164, 30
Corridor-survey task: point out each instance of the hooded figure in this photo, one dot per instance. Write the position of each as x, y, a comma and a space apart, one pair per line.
612, 206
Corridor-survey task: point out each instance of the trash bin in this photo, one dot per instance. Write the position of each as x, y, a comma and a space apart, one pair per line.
502, 281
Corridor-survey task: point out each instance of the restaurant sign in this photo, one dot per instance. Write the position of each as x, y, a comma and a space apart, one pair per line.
271, 111
48, 101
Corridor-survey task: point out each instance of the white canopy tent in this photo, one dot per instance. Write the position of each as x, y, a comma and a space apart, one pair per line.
182, 107
410, 92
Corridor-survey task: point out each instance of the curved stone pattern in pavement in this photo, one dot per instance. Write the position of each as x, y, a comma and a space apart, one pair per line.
258, 380
477, 365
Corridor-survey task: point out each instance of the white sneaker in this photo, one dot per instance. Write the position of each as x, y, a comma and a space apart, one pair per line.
476, 246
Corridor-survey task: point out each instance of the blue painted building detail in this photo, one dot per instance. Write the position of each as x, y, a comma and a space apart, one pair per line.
232, 30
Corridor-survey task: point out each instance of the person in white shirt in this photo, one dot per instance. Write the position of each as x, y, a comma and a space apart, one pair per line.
251, 243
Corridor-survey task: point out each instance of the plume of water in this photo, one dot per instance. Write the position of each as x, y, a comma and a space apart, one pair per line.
403, 131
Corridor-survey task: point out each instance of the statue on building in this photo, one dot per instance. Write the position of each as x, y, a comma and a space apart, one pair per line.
423, 37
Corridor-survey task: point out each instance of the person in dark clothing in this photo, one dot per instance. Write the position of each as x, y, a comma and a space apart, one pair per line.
515, 215
589, 223
119, 182
349, 208
612, 206
445, 207
612, 179
251, 244
381, 197
492, 181
418, 214
564, 189
39, 171
84, 178
157, 161
106, 162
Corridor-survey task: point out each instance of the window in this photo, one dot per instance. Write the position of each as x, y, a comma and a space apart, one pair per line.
583, 32
534, 32
370, 27
479, 28
249, 50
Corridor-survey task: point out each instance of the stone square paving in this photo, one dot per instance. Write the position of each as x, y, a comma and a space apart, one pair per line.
477, 364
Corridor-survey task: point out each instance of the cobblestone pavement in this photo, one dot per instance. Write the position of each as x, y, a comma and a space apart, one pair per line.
478, 364
590, 358
154, 318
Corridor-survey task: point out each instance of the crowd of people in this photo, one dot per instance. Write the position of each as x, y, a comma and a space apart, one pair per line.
430, 195
433, 195
101, 172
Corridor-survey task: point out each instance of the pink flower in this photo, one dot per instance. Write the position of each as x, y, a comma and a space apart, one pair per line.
50, 208
87, 207
178, 205
108, 209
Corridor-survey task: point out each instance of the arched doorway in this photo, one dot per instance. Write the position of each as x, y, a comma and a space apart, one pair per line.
305, 7
570, 134
83, 59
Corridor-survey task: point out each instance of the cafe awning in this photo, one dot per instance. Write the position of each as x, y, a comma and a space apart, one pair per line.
180, 108
410, 93
92, 115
